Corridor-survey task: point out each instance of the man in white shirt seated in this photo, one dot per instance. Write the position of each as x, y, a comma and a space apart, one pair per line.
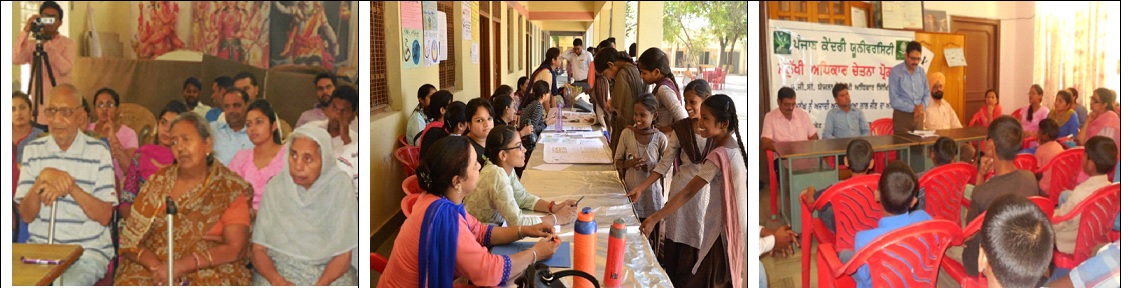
342, 108
939, 115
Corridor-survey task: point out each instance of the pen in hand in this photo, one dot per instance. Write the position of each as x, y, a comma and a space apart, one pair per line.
578, 201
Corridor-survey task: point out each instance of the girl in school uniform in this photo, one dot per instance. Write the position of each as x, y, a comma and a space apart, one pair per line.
639, 149
720, 261
654, 68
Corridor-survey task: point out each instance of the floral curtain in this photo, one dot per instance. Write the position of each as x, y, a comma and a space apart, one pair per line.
1077, 45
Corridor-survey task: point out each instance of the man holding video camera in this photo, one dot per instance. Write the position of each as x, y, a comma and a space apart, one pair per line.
60, 50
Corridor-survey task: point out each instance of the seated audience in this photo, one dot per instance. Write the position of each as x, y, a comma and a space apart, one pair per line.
307, 226
219, 89
122, 139
1047, 149
436, 111
859, 158
1034, 113
989, 111
259, 164
343, 108
1103, 118
150, 158
500, 197
213, 220
231, 134
1100, 159
480, 114
324, 85
439, 242
191, 91
417, 121
938, 114
1004, 139
786, 123
1064, 115
74, 171
843, 121
1017, 243
897, 192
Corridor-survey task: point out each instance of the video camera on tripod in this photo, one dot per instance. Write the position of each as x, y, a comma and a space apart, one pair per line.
37, 27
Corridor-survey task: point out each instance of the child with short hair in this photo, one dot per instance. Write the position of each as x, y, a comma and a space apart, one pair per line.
1017, 243
859, 158
1047, 149
1100, 159
896, 190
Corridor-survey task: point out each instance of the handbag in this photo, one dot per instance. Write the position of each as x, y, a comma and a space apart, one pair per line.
538, 276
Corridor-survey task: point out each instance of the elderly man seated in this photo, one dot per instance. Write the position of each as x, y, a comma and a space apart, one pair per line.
74, 174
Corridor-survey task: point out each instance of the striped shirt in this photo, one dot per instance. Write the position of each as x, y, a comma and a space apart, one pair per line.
88, 162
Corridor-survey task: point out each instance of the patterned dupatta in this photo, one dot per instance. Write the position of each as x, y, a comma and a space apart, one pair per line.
734, 224
198, 210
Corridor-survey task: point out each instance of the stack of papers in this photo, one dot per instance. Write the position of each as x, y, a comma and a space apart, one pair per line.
925, 133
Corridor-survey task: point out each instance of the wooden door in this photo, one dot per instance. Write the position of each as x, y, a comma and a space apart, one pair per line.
982, 54
496, 72
954, 86
484, 56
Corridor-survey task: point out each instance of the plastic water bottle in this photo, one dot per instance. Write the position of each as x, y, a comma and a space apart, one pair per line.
616, 241
559, 118
584, 250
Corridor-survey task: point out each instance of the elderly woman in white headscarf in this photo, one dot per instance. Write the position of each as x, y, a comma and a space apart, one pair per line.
308, 220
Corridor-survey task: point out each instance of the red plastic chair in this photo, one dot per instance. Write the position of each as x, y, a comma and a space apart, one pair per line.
408, 203
955, 267
1017, 114
883, 126
855, 209
411, 185
880, 127
1026, 162
773, 181
1096, 215
378, 263
1062, 171
409, 157
717, 78
944, 190
906, 257
403, 140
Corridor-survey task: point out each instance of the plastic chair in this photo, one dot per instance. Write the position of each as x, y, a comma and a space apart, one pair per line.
1062, 171
1030, 142
137, 117
773, 181
881, 127
944, 190
403, 140
906, 257
855, 209
1026, 162
378, 263
1017, 114
955, 267
409, 157
411, 186
1096, 215
408, 203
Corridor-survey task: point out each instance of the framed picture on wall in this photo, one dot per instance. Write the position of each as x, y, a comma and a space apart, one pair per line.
936, 21
908, 15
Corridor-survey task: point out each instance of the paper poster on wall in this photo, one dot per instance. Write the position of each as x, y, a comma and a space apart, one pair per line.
232, 30
430, 33
442, 36
474, 22
161, 27
411, 21
474, 53
466, 18
313, 33
926, 57
811, 58
955, 57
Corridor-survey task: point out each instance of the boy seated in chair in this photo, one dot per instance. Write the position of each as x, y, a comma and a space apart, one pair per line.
1017, 243
896, 190
859, 158
1100, 159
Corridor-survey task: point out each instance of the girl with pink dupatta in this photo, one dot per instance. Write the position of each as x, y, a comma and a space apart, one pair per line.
720, 263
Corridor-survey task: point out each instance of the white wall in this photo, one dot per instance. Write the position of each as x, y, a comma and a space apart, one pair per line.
1016, 43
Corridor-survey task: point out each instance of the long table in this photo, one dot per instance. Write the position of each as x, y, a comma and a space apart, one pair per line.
606, 194
801, 166
921, 161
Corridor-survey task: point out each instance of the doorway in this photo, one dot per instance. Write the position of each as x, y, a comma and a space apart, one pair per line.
981, 50
484, 57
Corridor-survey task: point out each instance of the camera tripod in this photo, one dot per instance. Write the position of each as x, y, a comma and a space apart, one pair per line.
38, 62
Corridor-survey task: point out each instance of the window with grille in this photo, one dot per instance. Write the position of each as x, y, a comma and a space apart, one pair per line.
378, 86
447, 80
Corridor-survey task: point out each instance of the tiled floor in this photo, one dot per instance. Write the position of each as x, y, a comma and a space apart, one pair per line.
787, 272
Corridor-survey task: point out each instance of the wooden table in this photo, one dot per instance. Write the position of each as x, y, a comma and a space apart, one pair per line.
40, 274
795, 176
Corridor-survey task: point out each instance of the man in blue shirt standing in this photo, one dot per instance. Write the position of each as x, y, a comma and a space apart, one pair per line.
842, 121
908, 91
